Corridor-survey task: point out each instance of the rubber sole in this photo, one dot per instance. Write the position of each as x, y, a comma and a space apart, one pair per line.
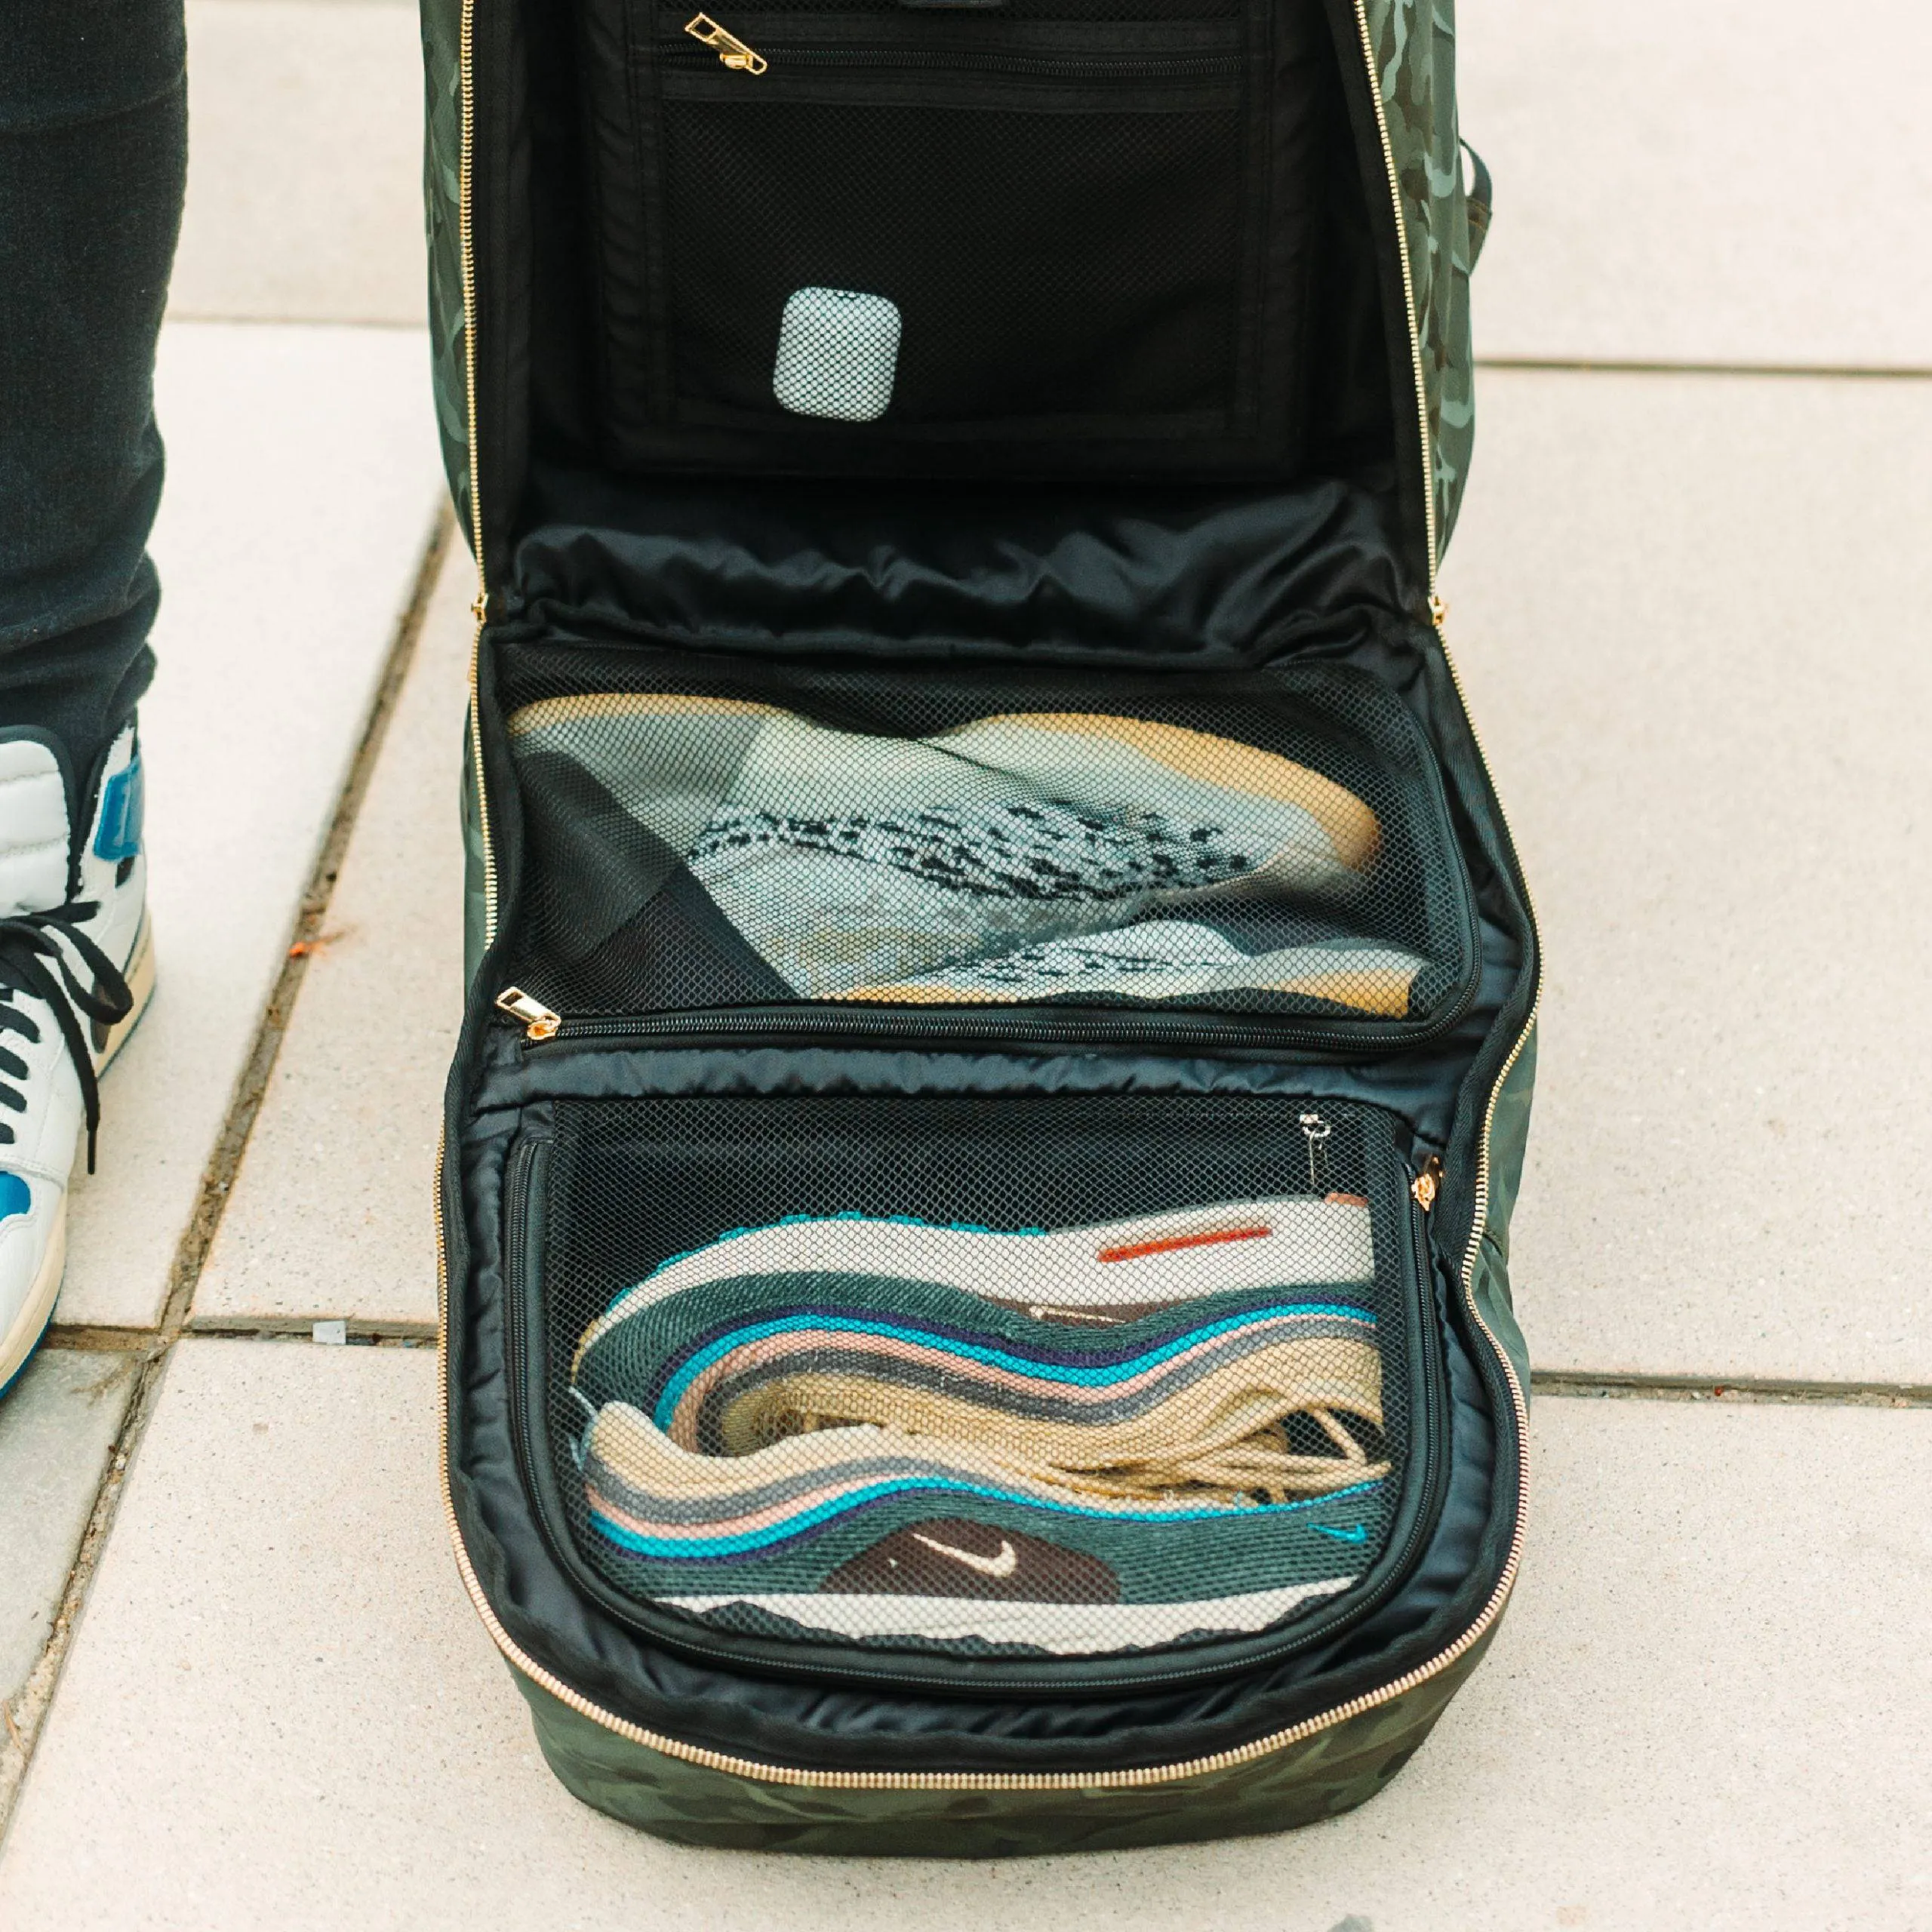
140, 977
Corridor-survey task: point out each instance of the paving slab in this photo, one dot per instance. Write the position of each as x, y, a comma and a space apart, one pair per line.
57, 1427
330, 1213
1690, 613
302, 480
1732, 182
305, 162
1700, 1710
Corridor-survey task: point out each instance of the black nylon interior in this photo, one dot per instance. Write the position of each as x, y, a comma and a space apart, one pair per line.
1116, 562
1158, 573
1308, 540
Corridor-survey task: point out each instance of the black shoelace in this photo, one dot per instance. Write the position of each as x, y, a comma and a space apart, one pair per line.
32, 962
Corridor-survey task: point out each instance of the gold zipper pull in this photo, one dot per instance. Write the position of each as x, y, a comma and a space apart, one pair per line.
539, 1022
1428, 1184
1314, 1131
730, 49
1438, 612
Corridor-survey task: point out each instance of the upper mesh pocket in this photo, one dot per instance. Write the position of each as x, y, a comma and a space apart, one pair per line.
737, 850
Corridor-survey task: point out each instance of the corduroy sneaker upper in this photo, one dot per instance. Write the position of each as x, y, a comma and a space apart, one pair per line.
76, 969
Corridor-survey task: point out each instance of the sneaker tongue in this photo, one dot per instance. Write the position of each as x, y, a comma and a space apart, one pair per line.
35, 840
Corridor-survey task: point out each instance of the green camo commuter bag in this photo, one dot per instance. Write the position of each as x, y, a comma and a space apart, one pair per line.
974, 1201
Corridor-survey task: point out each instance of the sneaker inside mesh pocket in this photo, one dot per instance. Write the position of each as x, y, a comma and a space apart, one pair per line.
940, 1404
696, 850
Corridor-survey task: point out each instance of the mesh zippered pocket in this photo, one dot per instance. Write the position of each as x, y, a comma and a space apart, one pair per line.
957, 240
1020, 1378
1270, 845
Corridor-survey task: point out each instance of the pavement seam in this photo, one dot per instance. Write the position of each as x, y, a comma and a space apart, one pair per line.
357, 1332
375, 1332
26, 1713
1741, 1388
391, 325
301, 1328
1593, 365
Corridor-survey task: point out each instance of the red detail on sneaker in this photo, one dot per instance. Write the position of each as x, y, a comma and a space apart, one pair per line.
1175, 1242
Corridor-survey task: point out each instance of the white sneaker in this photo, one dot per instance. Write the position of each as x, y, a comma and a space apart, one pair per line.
76, 970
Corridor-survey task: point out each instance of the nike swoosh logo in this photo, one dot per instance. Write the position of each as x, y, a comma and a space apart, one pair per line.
1003, 1564
1358, 1534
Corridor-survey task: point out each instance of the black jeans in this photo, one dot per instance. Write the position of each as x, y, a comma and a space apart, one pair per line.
94, 146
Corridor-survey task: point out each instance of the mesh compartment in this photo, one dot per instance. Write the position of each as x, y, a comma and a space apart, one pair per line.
1090, 223
990, 1376
1258, 843
986, 231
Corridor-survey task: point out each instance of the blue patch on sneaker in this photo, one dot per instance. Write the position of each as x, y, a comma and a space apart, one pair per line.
122, 798
16, 1197
1357, 1533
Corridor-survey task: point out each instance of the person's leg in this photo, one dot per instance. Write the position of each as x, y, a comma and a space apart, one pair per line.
93, 154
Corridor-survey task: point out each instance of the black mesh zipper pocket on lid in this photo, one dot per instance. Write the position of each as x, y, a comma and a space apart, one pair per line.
1024, 239
1126, 1380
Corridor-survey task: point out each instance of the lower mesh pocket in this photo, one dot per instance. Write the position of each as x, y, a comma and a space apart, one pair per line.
1018, 1377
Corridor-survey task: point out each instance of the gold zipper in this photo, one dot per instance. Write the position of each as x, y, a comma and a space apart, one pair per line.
1439, 613
479, 609
1479, 1214
1428, 1184
729, 48
1408, 300
1141, 1776
539, 1022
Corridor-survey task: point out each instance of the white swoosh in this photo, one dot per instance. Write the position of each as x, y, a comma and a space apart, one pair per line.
1003, 1564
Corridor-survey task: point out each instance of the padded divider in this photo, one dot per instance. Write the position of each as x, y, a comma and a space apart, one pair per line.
1170, 574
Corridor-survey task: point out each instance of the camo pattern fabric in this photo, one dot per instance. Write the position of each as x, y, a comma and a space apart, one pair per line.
442, 165
1415, 57
1415, 51
1332, 1772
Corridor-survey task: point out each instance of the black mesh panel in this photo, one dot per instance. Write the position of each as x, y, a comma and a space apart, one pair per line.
722, 837
986, 1375
1037, 238
978, 244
